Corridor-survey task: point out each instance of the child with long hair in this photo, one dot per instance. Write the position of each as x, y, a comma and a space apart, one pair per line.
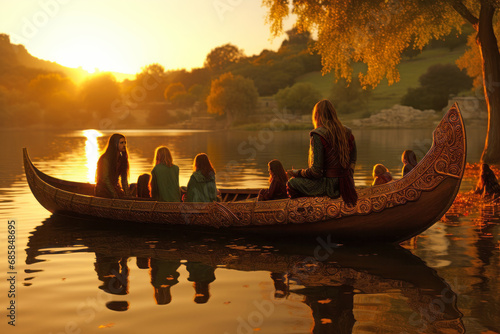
277, 182
487, 185
142, 187
201, 186
165, 177
332, 157
381, 175
113, 166
409, 160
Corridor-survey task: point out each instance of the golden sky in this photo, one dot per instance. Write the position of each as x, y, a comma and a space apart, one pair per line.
123, 36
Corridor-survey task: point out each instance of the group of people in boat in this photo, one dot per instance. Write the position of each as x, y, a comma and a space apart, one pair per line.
163, 182
332, 159
382, 175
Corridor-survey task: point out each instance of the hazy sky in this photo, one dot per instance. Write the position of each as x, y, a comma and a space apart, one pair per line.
125, 35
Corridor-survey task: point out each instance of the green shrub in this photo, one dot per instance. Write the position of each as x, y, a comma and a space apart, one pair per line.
436, 85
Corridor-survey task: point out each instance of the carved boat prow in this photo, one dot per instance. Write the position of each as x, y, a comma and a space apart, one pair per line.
391, 212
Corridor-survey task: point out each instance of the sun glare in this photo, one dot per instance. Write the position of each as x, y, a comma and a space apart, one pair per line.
94, 48
91, 152
89, 55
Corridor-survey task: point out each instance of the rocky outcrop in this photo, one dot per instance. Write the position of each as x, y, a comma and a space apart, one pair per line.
472, 108
399, 116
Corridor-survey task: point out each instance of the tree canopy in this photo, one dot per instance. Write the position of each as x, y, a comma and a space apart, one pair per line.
376, 32
300, 98
436, 85
222, 56
99, 92
231, 95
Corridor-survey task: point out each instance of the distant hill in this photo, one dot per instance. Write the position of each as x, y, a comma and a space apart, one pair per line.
17, 55
385, 96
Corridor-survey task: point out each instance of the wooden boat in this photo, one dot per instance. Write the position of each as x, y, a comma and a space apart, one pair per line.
391, 212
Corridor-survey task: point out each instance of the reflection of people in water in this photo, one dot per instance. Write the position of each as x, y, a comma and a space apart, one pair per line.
202, 275
332, 308
113, 272
163, 276
280, 285
118, 305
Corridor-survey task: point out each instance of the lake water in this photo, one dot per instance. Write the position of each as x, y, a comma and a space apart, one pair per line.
81, 277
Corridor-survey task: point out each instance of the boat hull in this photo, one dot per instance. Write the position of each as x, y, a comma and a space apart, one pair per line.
391, 212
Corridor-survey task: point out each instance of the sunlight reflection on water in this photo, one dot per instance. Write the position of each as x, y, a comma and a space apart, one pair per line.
91, 152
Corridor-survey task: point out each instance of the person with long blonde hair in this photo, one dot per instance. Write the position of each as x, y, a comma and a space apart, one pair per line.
332, 157
165, 177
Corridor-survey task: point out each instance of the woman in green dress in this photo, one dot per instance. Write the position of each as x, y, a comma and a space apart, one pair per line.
332, 157
165, 177
201, 186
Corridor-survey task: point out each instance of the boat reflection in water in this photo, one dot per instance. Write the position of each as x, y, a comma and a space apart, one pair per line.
327, 276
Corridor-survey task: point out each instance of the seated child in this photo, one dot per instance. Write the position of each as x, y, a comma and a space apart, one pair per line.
277, 182
409, 160
201, 186
487, 185
142, 187
381, 175
165, 177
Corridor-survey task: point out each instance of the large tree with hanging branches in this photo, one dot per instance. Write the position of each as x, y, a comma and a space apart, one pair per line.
376, 32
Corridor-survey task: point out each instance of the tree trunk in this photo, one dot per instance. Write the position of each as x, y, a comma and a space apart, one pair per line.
490, 56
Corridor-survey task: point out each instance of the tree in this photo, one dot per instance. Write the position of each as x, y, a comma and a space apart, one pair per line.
44, 86
174, 89
221, 57
152, 80
377, 32
349, 98
300, 98
232, 95
471, 60
436, 85
297, 37
98, 94
56, 95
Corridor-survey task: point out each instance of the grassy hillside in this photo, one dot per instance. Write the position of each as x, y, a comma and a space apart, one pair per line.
384, 96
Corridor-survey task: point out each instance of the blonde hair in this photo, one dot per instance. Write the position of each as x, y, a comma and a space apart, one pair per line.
163, 156
378, 170
324, 114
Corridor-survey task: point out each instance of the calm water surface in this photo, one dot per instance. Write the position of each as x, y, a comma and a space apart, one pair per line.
81, 277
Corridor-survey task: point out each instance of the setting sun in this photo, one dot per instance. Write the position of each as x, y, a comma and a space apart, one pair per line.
125, 37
